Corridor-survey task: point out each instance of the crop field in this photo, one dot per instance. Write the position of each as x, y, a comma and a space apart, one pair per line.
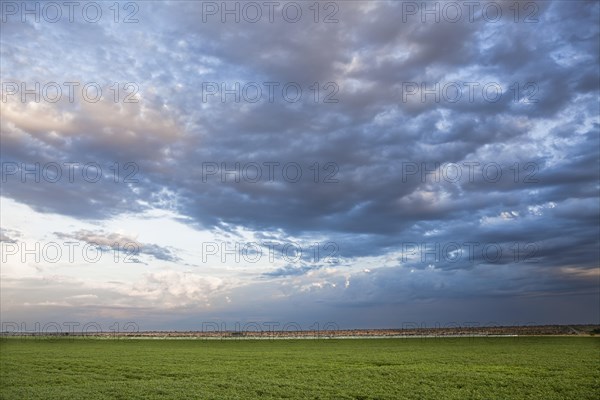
417, 368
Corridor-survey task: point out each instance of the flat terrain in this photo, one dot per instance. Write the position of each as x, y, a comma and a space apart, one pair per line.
412, 368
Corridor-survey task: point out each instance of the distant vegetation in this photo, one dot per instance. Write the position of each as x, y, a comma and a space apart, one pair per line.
413, 368
255, 332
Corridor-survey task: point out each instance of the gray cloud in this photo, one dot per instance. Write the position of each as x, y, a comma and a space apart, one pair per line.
8, 235
123, 243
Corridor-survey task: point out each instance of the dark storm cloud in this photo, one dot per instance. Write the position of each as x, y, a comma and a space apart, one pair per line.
347, 133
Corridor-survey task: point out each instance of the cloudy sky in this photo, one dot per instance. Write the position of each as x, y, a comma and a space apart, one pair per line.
361, 163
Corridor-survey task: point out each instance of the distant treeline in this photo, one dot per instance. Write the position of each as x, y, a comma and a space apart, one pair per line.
537, 330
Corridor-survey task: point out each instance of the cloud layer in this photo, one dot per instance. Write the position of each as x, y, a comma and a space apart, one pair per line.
454, 161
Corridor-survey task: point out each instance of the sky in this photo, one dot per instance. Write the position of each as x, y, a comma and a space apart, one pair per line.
178, 165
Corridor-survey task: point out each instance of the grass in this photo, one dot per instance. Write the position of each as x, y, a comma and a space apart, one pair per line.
435, 368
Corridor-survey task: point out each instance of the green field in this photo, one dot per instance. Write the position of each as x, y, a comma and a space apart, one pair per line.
418, 368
